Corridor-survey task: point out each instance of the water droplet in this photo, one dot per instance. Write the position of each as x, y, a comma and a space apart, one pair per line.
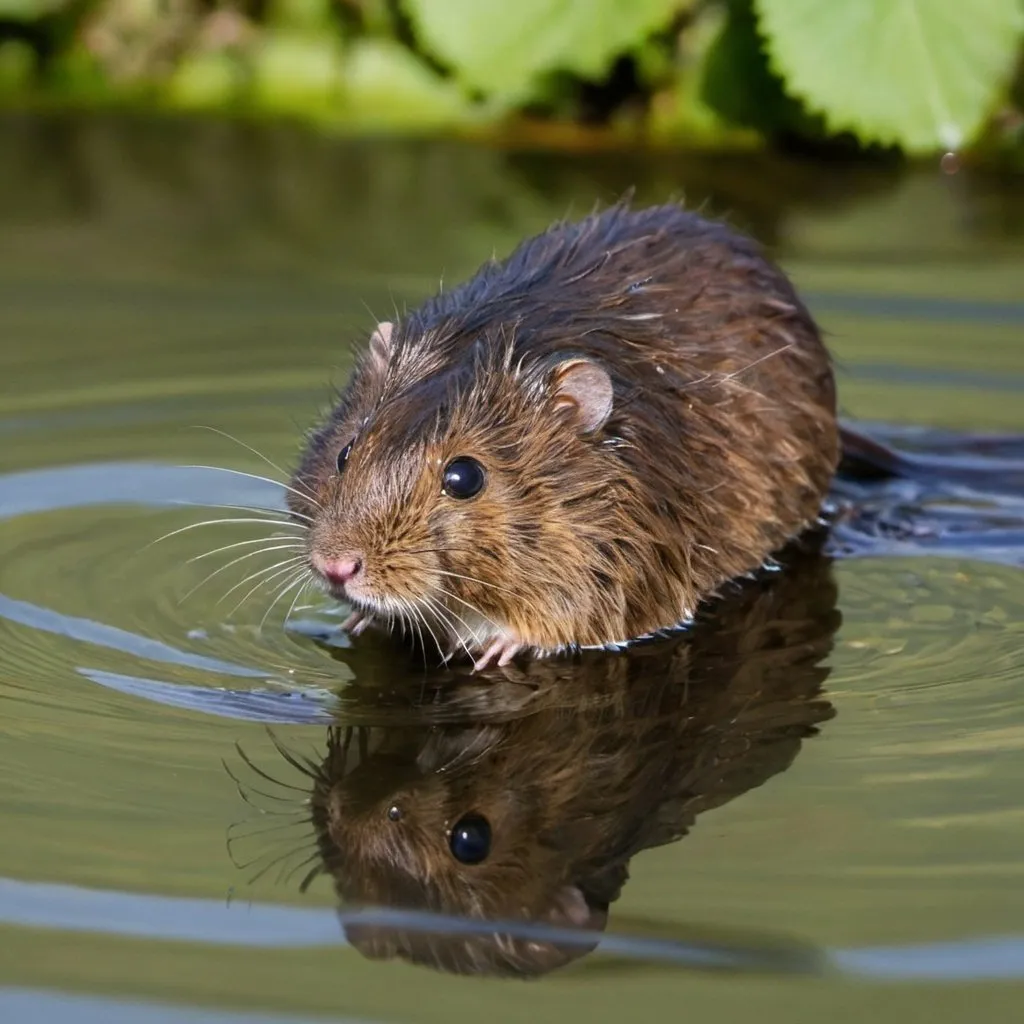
950, 162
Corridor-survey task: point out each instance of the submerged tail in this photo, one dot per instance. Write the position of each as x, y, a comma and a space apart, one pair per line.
993, 464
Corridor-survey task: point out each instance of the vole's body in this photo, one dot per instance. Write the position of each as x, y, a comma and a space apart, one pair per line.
654, 413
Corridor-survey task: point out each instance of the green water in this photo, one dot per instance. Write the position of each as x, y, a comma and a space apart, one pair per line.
157, 278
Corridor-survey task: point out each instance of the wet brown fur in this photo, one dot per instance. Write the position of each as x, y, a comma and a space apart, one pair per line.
720, 446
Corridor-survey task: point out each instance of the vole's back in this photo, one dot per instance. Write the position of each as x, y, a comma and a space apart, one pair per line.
665, 267
568, 253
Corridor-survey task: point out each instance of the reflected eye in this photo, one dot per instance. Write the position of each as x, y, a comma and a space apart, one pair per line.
470, 840
463, 477
343, 456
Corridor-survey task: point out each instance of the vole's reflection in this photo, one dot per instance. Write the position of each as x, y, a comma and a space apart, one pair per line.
527, 799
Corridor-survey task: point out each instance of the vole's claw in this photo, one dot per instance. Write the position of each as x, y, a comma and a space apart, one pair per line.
500, 653
356, 623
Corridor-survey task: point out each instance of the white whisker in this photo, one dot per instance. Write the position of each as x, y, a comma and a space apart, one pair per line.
472, 579
264, 479
214, 522
291, 582
266, 510
289, 566
452, 612
471, 607
442, 613
235, 561
248, 447
414, 616
298, 593
433, 635
262, 583
246, 543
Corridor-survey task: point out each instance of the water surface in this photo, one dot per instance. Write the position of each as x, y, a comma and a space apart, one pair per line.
158, 279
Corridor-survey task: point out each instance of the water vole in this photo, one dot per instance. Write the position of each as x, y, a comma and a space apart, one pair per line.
578, 445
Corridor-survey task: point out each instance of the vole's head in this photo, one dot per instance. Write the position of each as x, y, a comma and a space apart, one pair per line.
467, 494
430, 820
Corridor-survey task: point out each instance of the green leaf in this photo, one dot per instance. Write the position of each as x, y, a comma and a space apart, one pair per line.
501, 47
737, 83
297, 73
17, 62
717, 79
922, 74
205, 80
301, 15
29, 10
388, 87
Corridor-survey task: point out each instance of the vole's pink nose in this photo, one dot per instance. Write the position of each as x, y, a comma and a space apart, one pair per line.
338, 570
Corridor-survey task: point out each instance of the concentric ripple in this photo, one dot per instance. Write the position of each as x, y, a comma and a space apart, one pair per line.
106, 577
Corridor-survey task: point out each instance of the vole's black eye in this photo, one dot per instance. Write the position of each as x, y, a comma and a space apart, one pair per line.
470, 839
463, 477
343, 456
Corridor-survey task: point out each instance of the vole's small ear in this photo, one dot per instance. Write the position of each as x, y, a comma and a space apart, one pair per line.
380, 345
587, 389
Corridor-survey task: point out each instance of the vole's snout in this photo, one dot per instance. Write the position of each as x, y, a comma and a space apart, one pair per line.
338, 571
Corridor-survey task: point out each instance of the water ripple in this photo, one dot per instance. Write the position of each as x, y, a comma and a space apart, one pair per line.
158, 628
161, 918
36, 1004
291, 707
88, 631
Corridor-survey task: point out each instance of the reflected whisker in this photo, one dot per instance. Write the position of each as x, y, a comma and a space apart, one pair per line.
273, 844
278, 859
311, 876
242, 860
284, 879
269, 865
288, 800
244, 791
301, 818
300, 762
263, 775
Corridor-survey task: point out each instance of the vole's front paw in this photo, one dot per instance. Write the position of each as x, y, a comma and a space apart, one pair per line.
357, 622
500, 652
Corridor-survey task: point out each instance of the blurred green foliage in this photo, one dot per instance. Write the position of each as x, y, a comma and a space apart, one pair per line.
920, 75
